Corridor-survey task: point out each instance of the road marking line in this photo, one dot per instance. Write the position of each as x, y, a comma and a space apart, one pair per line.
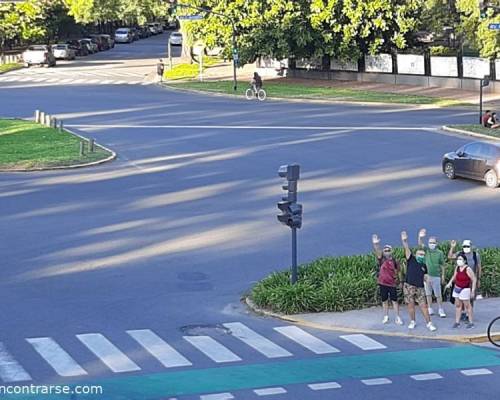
217, 396
426, 377
120, 82
363, 342
159, 349
324, 386
376, 381
269, 391
212, 349
256, 341
56, 356
107, 82
475, 372
66, 80
108, 353
10, 369
307, 340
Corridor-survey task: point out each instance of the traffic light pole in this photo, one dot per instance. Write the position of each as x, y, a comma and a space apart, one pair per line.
294, 255
481, 101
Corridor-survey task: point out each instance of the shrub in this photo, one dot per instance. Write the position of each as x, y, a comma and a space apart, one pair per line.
442, 51
348, 283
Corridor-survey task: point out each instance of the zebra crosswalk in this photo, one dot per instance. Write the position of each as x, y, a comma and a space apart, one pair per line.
67, 362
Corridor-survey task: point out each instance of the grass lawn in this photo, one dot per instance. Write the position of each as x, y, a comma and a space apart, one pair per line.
287, 90
9, 67
25, 144
476, 128
190, 71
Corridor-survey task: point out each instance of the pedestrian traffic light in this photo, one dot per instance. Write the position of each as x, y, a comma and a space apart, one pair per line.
291, 212
485, 81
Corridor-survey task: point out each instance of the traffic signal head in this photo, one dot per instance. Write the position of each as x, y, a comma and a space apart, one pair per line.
291, 214
291, 172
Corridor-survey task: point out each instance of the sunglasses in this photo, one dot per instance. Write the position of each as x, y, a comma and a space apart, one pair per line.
387, 251
466, 247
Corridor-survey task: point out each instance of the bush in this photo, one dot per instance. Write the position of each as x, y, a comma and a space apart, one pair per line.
348, 283
442, 51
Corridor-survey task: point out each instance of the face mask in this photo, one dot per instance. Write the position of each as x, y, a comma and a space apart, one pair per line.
460, 263
466, 249
420, 259
432, 246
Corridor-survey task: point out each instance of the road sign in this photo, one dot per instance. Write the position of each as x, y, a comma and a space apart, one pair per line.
494, 27
191, 17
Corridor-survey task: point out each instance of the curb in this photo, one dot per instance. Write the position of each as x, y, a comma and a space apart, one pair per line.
299, 321
61, 167
321, 101
469, 133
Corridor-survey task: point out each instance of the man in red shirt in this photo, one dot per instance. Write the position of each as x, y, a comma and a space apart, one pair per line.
389, 270
484, 119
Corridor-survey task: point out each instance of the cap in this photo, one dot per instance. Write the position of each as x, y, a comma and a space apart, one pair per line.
387, 247
466, 242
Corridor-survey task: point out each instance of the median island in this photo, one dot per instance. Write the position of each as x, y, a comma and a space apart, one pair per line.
28, 145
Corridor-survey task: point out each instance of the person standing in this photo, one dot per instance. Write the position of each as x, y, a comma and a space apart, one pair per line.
413, 289
465, 287
160, 68
434, 260
389, 269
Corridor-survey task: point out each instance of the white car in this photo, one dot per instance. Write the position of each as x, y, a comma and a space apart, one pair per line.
176, 39
39, 54
63, 51
124, 35
153, 29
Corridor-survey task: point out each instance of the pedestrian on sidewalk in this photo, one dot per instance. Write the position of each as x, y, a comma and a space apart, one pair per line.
387, 280
473, 261
465, 287
413, 289
434, 260
160, 68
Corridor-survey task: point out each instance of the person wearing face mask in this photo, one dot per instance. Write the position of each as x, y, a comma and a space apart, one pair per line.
465, 287
389, 270
473, 261
434, 259
413, 289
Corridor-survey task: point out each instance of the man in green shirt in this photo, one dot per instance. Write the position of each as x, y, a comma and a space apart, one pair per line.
434, 259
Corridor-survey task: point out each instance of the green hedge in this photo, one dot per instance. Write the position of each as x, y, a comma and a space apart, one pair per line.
348, 283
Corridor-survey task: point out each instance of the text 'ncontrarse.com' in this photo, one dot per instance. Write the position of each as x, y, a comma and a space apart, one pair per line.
50, 390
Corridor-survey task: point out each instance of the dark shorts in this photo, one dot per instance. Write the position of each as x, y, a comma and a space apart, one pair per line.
388, 292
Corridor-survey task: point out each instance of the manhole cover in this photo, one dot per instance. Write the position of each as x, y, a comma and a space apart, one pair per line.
192, 276
205, 330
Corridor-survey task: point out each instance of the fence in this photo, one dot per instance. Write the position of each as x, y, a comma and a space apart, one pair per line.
10, 58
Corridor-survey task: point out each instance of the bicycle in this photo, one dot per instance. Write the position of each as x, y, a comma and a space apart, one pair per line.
494, 332
250, 94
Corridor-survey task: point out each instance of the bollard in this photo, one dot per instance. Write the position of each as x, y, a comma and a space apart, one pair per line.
61, 126
82, 147
42, 118
47, 120
53, 122
37, 116
91, 145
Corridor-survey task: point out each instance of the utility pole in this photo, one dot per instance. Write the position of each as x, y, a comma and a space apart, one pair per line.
482, 83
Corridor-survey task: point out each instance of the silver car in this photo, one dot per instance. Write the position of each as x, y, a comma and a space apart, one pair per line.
63, 52
124, 35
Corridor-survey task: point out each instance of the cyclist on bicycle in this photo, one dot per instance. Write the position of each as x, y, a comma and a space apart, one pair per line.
256, 83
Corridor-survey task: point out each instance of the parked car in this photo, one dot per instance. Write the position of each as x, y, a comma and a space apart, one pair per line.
476, 160
110, 39
176, 39
159, 27
135, 33
153, 29
92, 46
63, 51
80, 48
101, 42
144, 32
124, 35
39, 54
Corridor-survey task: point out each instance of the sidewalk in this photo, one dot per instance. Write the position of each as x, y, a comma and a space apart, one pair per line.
370, 321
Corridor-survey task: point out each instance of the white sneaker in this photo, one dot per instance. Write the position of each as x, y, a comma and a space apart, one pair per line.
412, 325
385, 320
431, 311
398, 320
431, 327
442, 314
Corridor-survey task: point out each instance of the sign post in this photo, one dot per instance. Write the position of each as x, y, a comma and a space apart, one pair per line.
482, 83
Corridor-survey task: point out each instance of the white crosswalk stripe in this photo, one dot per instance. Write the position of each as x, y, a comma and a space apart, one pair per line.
376, 381
324, 386
108, 353
363, 342
212, 349
426, 377
10, 370
270, 391
256, 341
475, 372
306, 339
217, 396
159, 349
56, 356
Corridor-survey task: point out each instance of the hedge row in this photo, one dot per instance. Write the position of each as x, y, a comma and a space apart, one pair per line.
348, 283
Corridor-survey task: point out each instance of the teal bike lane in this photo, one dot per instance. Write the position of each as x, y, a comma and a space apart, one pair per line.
252, 376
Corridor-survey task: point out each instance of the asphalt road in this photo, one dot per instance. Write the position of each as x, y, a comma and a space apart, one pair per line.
169, 237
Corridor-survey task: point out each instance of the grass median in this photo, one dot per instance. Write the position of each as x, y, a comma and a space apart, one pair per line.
282, 89
348, 283
9, 67
28, 145
476, 128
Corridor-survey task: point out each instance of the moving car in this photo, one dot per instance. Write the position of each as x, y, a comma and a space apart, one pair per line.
124, 35
39, 54
176, 39
476, 160
63, 51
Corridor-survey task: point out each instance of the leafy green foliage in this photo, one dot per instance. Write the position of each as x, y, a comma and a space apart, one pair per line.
348, 283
